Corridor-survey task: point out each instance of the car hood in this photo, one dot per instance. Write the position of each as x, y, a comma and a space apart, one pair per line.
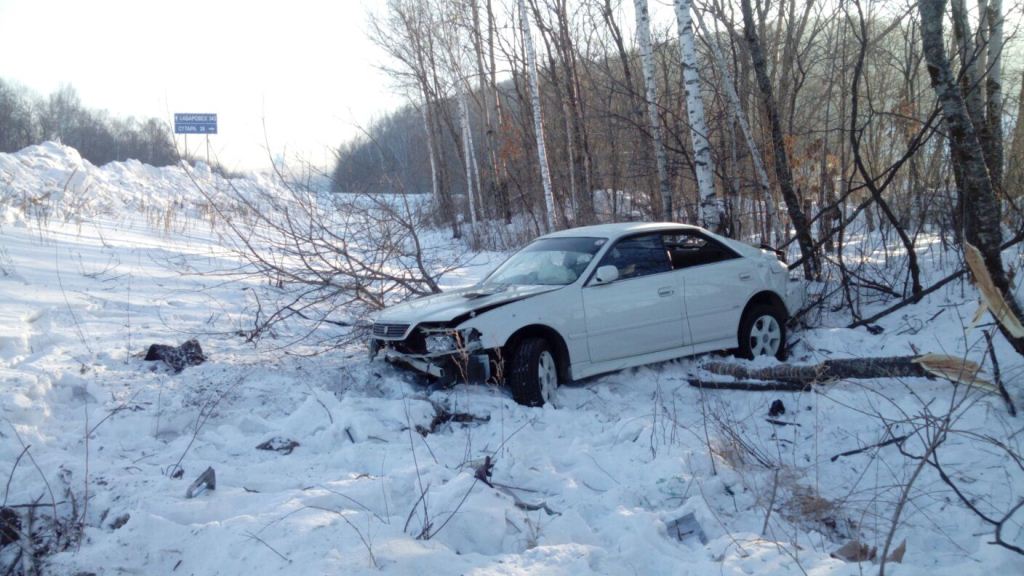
448, 306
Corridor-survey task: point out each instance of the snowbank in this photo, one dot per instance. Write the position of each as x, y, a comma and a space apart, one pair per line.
53, 180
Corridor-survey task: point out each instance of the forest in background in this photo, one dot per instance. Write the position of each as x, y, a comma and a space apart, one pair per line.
813, 111
28, 119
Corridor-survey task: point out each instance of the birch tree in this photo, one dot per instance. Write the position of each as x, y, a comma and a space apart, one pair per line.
643, 34
469, 154
538, 121
741, 118
435, 194
971, 85
1014, 183
982, 211
404, 33
993, 21
710, 208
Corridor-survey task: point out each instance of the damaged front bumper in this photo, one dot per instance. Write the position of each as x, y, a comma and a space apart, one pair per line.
465, 360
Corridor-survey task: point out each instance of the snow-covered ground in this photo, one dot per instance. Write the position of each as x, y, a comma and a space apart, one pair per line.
591, 485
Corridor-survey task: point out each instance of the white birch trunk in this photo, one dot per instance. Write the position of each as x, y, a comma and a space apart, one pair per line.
981, 44
711, 210
994, 88
1014, 182
570, 145
434, 193
468, 153
538, 122
741, 119
643, 34
476, 178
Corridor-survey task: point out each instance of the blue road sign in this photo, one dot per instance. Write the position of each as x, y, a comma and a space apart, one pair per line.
195, 123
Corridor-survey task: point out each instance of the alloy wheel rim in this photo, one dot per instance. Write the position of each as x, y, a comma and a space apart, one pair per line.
547, 375
765, 336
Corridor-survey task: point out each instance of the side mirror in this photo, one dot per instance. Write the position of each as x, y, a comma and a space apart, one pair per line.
606, 274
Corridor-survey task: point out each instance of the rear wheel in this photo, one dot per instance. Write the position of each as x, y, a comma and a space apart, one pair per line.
533, 377
762, 332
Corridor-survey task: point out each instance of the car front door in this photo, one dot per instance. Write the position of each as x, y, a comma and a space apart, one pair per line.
640, 312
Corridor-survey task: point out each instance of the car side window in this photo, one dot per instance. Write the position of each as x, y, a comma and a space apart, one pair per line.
639, 256
693, 249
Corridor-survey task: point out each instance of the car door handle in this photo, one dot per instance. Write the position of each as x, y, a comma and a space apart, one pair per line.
666, 291
745, 276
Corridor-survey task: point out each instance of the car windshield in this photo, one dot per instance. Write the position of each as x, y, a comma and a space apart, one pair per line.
546, 262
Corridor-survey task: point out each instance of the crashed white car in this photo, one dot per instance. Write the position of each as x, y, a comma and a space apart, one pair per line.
590, 300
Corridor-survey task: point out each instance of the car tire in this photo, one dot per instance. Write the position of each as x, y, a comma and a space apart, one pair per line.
762, 332
533, 376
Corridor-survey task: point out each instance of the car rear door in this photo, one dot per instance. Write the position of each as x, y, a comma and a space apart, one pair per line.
716, 285
642, 311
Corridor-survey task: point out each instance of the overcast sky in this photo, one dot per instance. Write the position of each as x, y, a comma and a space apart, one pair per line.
306, 66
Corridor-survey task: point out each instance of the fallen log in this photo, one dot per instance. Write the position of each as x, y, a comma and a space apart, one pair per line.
788, 377
857, 368
751, 386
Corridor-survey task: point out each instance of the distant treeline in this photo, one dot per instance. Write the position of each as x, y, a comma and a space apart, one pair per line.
391, 156
27, 118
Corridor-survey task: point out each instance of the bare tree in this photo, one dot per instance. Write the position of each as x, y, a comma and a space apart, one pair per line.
538, 119
783, 174
740, 117
469, 155
331, 258
710, 208
643, 34
856, 132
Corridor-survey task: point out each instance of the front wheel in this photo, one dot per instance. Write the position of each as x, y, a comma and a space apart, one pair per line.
533, 377
762, 333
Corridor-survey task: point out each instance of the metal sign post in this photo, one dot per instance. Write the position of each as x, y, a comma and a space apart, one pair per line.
205, 124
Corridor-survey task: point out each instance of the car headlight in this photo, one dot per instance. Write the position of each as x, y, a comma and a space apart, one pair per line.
437, 343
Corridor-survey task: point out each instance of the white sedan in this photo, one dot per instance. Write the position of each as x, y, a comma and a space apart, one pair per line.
591, 300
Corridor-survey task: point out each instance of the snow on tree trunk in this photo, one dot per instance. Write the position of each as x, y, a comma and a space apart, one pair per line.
467, 148
710, 207
741, 119
538, 121
643, 34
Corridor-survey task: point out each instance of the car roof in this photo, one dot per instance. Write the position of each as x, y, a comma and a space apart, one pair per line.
617, 230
